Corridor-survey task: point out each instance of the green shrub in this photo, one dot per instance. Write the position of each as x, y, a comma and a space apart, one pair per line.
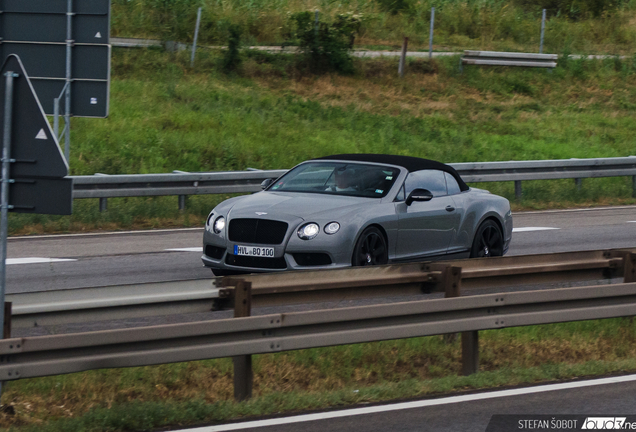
232, 56
325, 47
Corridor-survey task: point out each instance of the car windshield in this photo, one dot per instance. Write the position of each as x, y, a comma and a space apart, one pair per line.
338, 178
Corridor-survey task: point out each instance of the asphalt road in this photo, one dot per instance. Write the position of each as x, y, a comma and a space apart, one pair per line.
467, 413
137, 257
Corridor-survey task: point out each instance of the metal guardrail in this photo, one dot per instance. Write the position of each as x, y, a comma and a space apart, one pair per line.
59, 354
182, 184
244, 336
495, 58
85, 305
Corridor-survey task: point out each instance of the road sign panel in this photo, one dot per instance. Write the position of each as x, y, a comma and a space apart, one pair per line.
41, 196
32, 27
36, 30
37, 164
56, 6
90, 98
49, 60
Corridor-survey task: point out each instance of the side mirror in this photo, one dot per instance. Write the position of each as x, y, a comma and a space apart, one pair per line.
265, 183
419, 195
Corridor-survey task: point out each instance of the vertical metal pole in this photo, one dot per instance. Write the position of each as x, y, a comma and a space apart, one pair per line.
470, 352
196, 36
403, 58
518, 189
4, 189
430, 35
243, 374
67, 115
542, 32
633, 186
578, 183
182, 203
56, 117
452, 279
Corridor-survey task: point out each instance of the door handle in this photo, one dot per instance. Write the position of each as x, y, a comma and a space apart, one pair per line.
450, 208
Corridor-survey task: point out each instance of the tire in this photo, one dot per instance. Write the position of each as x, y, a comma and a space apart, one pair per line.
488, 241
370, 249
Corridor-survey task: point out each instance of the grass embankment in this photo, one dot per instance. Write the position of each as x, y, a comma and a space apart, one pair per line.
189, 393
166, 116
583, 26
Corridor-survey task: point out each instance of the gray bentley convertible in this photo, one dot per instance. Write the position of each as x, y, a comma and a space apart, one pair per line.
356, 209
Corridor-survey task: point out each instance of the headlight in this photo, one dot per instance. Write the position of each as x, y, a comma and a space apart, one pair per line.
308, 231
219, 224
332, 227
209, 221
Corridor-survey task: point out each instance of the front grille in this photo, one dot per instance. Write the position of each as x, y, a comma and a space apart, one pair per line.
214, 251
312, 259
256, 262
257, 231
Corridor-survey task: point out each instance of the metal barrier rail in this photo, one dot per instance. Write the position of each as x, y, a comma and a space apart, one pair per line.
496, 58
183, 184
59, 354
50, 308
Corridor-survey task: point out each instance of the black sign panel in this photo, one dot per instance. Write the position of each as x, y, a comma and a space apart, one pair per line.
42, 196
49, 61
92, 7
38, 27
36, 31
90, 98
39, 166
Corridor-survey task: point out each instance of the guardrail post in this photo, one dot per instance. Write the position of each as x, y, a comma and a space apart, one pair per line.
470, 352
518, 189
629, 267
103, 205
243, 375
633, 186
182, 203
451, 283
578, 183
6, 329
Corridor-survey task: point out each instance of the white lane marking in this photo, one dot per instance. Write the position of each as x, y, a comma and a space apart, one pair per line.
192, 249
410, 405
631, 221
35, 260
526, 229
95, 234
576, 210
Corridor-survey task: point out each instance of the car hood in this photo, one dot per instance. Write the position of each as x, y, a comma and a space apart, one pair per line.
300, 205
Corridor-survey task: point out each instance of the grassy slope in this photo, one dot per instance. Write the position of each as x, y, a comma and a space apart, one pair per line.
459, 24
165, 116
185, 393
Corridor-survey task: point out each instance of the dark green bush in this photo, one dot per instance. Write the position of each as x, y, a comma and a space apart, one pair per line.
325, 47
232, 57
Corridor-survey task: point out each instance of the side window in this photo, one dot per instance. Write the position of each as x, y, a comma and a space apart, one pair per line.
433, 180
451, 184
400, 196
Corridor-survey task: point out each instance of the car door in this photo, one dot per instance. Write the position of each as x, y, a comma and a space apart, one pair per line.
425, 228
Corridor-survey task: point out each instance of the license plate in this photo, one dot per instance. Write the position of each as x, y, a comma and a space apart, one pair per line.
267, 252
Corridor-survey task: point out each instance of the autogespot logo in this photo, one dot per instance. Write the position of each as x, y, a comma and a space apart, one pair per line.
607, 423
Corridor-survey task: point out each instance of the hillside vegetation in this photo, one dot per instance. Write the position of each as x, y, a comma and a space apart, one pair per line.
582, 26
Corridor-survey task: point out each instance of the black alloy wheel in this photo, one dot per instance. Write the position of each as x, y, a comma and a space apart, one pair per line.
488, 241
370, 249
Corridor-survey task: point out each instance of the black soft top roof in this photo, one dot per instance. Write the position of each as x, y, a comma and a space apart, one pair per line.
409, 162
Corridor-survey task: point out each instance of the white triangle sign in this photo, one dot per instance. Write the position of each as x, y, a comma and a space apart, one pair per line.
98, 35
41, 135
